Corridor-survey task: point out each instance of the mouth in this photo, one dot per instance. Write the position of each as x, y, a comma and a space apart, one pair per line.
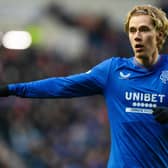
139, 47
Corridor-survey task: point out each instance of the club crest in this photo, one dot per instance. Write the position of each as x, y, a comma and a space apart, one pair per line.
164, 76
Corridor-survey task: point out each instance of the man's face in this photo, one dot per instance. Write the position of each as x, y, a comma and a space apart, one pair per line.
143, 37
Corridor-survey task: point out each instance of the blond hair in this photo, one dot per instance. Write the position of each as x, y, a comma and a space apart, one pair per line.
160, 21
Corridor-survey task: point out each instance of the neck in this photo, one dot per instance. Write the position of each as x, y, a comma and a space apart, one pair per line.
148, 61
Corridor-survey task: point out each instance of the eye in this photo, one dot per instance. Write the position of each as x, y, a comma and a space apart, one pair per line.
132, 29
144, 29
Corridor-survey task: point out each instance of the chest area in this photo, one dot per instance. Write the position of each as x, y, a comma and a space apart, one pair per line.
139, 88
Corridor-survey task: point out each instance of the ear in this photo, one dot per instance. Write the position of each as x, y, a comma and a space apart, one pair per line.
159, 36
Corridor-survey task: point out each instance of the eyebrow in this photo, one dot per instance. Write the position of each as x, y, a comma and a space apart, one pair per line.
139, 26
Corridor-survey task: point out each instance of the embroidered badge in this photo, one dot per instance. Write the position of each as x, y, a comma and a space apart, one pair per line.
164, 76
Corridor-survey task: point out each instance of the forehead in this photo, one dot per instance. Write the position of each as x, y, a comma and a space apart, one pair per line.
140, 20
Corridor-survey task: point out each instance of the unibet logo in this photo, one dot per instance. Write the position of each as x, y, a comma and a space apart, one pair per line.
144, 97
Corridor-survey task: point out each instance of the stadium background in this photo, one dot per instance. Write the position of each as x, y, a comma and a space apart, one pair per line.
68, 36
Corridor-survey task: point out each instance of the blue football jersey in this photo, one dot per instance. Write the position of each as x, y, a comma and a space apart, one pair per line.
131, 91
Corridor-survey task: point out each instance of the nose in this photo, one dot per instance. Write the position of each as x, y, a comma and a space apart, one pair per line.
137, 36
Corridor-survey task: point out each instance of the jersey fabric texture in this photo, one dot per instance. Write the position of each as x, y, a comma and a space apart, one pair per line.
130, 91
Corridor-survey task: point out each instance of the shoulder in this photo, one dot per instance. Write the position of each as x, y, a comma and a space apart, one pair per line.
113, 63
117, 60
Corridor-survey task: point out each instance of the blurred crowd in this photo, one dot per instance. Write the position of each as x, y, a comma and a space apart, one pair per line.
58, 133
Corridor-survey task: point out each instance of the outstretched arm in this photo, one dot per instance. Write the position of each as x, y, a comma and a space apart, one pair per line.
63, 87
84, 84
